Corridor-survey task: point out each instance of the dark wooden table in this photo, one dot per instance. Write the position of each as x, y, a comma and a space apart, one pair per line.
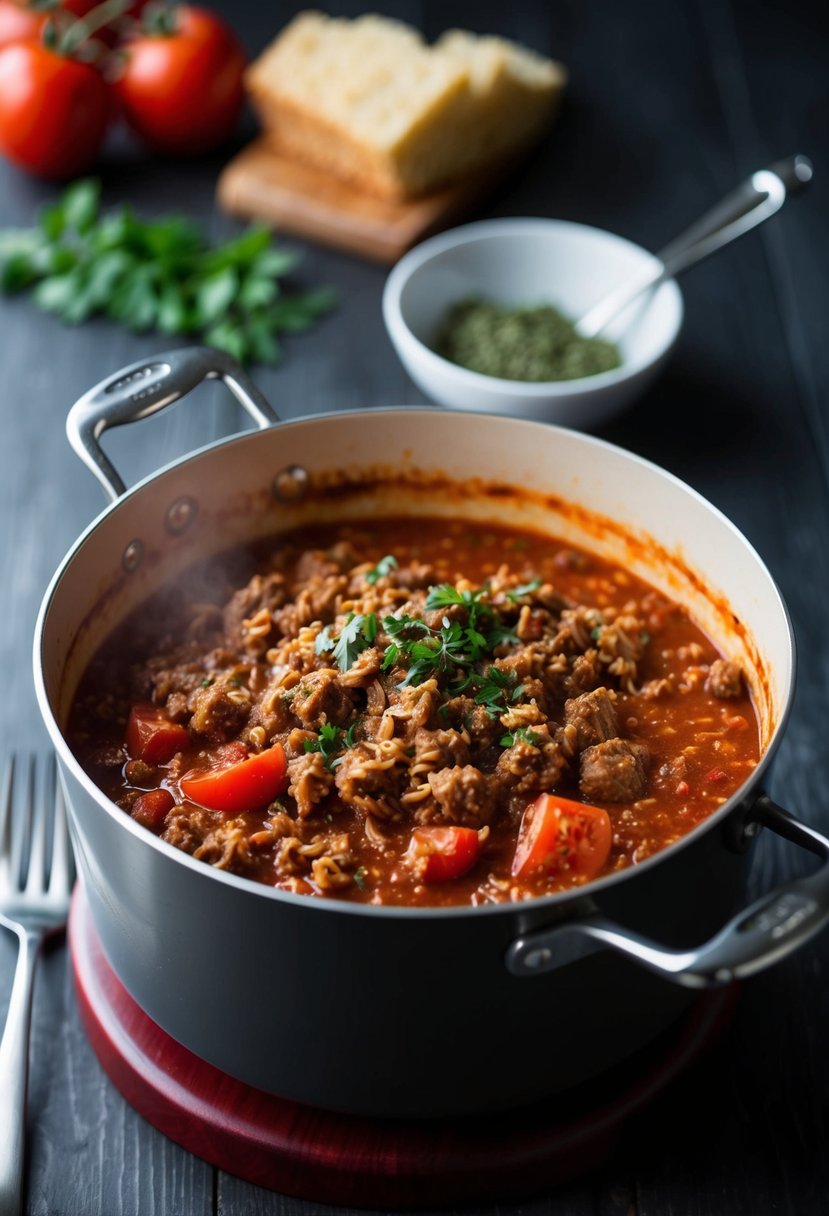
670, 106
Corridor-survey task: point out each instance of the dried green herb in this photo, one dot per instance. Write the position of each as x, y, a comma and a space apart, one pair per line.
533, 344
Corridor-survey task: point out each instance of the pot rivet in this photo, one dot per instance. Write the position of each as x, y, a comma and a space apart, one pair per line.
180, 515
534, 960
133, 556
291, 484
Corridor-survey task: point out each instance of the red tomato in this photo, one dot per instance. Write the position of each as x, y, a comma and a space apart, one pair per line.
152, 736
244, 786
182, 91
558, 836
81, 7
441, 854
18, 23
151, 809
53, 110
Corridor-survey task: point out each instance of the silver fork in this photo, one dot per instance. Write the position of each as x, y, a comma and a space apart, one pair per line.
35, 884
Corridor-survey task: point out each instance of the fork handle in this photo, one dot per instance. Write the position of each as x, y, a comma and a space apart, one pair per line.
14, 1074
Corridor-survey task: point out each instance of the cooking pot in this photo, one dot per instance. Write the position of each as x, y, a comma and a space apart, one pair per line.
415, 1011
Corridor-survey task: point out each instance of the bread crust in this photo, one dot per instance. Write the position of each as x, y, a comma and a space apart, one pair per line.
472, 102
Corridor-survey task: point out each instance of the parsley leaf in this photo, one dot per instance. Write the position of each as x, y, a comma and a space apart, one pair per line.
383, 568
324, 641
327, 743
356, 635
160, 274
524, 734
331, 740
524, 589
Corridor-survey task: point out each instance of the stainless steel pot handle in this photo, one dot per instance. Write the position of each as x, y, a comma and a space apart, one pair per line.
143, 388
763, 933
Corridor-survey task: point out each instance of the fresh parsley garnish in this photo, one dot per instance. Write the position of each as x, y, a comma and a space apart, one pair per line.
330, 741
383, 568
445, 596
356, 635
522, 733
158, 275
493, 689
324, 641
524, 589
451, 650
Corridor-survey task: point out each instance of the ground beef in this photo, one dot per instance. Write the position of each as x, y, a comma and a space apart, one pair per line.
440, 748
368, 783
593, 714
463, 795
219, 711
584, 673
310, 782
525, 768
725, 679
614, 771
264, 592
320, 697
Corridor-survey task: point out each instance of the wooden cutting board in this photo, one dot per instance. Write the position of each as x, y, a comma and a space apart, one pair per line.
260, 184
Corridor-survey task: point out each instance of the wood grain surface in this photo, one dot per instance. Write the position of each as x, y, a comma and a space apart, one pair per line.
259, 184
669, 106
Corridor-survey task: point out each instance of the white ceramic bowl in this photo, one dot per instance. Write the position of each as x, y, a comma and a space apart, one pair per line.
529, 262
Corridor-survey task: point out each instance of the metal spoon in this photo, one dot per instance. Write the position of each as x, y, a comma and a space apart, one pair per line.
758, 198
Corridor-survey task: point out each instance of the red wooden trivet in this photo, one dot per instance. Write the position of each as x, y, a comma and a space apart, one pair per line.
354, 1161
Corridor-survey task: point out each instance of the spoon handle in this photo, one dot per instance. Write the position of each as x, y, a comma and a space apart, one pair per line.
758, 198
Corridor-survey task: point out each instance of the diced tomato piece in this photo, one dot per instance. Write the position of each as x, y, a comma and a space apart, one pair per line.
441, 854
151, 809
242, 786
152, 735
714, 775
559, 836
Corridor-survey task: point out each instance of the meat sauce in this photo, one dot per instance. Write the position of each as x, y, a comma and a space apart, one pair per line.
415, 712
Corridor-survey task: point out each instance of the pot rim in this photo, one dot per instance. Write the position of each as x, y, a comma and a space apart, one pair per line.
555, 901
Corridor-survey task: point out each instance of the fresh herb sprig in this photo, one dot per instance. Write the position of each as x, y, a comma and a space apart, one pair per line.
522, 734
160, 274
485, 630
524, 589
356, 635
383, 568
330, 741
453, 651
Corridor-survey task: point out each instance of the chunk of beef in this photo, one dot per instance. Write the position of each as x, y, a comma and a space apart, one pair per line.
439, 748
463, 795
166, 676
526, 768
317, 564
321, 698
310, 781
725, 679
316, 602
614, 771
219, 711
272, 711
263, 593
464, 713
368, 783
594, 716
584, 673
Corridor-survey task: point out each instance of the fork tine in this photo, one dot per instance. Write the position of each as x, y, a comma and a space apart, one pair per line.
21, 832
62, 873
35, 883
6, 796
